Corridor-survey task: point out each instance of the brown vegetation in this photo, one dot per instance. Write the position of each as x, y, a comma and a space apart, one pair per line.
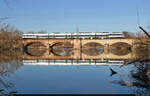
10, 45
9, 38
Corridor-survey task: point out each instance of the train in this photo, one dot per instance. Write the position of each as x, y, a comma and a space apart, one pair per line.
75, 35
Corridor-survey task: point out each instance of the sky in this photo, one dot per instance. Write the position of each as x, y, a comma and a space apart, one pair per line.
68, 15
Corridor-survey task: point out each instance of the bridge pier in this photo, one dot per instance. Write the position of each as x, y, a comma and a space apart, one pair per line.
77, 48
106, 48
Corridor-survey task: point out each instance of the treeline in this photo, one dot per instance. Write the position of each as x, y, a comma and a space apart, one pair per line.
9, 37
10, 43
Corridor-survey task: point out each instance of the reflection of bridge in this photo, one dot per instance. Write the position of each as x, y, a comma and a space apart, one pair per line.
79, 55
78, 45
73, 62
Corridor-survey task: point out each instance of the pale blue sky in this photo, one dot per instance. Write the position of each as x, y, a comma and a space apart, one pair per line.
67, 15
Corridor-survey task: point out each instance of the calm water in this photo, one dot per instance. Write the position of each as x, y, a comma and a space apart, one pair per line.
26, 74
68, 79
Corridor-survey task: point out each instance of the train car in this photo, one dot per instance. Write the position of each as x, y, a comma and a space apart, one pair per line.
76, 35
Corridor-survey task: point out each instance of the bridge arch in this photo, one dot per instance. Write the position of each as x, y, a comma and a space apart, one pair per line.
120, 43
120, 48
92, 48
36, 50
30, 43
62, 49
62, 44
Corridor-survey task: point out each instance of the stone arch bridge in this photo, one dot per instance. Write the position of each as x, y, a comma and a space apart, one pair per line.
77, 46
77, 42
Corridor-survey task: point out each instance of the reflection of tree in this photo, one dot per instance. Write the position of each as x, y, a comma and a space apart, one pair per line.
6, 69
7, 86
10, 61
139, 78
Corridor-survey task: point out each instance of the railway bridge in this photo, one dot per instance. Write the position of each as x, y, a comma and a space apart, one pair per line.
78, 45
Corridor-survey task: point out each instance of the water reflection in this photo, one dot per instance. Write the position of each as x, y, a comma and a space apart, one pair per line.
139, 79
62, 49
35, 49
133, 76
139, 76
92, 49
10, 61
74, 62
124, 49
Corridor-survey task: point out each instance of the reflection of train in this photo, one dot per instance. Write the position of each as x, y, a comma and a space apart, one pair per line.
74, 62
77, 35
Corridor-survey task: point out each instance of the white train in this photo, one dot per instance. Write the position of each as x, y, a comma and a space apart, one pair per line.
77, 35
